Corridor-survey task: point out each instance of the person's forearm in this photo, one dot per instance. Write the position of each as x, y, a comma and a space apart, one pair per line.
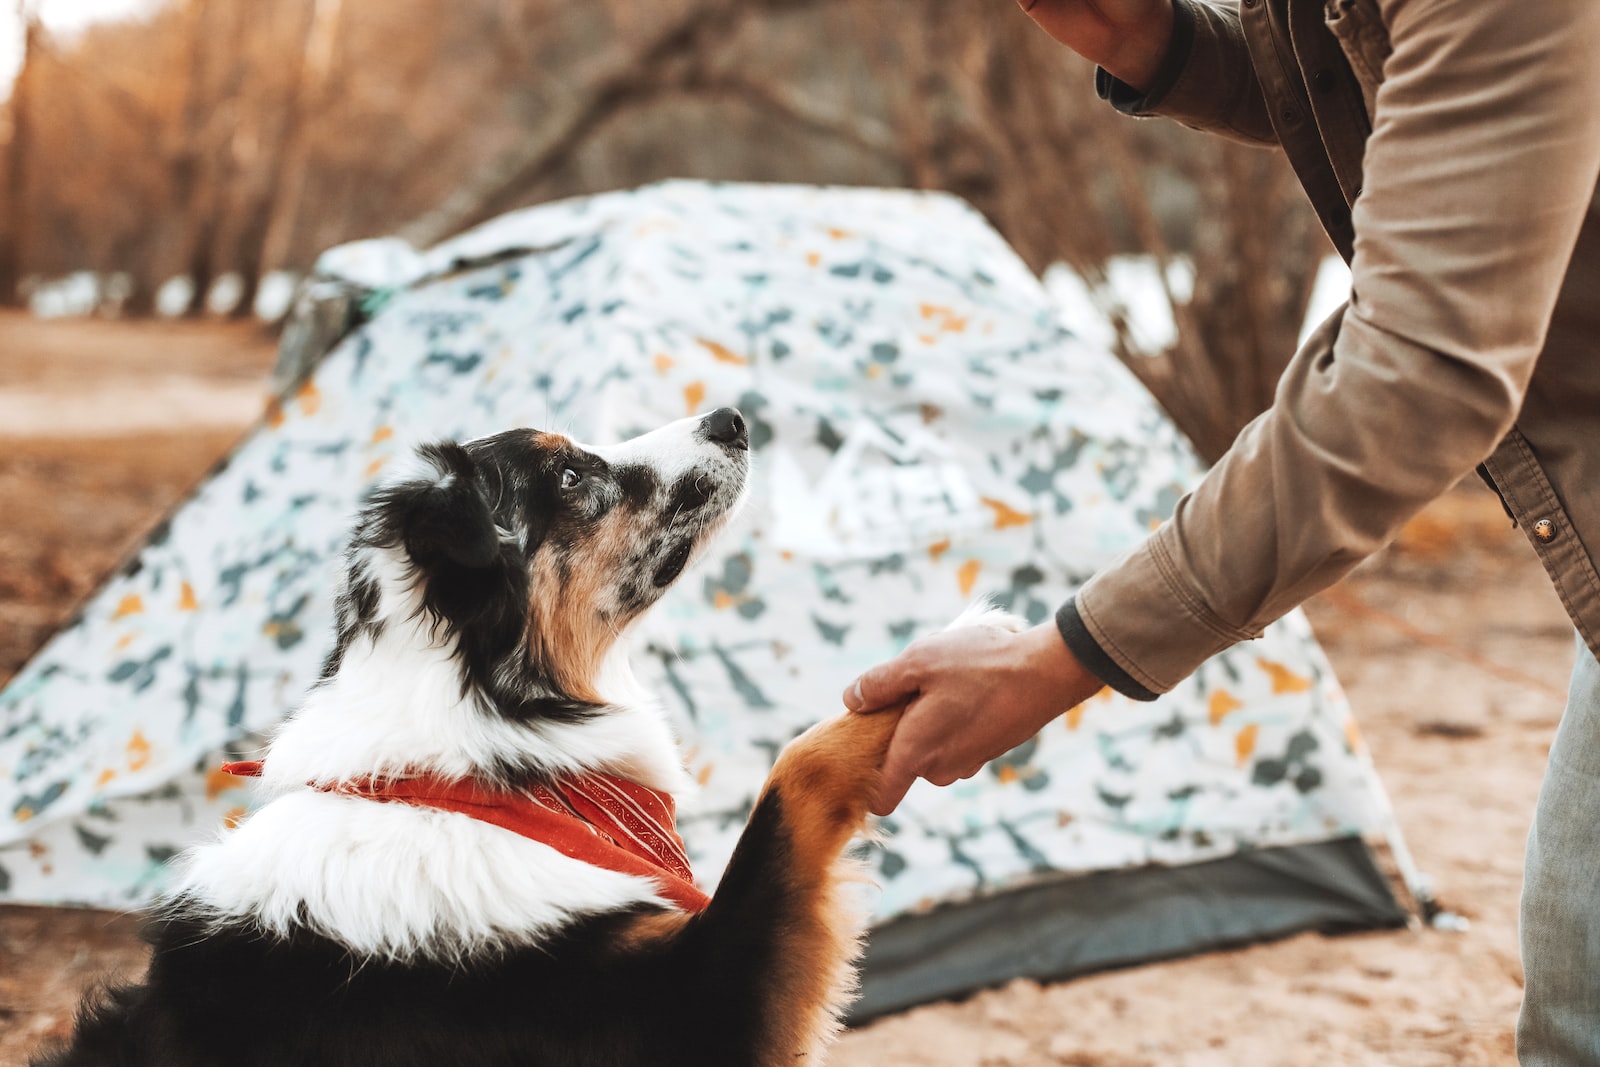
1478, 175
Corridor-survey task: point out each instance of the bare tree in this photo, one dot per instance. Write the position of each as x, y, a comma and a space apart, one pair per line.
291, 127
13, 225
308, 94
637, 75
188, 156
269, 220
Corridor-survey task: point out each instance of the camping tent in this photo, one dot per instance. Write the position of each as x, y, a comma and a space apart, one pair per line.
925, 430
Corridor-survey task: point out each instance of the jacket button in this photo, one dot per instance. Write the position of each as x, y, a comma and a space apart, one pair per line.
1545, 531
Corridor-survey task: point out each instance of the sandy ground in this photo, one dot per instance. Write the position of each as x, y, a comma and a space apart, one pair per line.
1452, 646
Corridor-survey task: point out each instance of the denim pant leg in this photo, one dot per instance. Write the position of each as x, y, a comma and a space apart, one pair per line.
1560, 1021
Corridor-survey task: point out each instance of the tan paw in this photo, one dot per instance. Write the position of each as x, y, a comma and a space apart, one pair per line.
826, 777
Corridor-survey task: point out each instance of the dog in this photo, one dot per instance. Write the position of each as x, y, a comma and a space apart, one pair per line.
465, 853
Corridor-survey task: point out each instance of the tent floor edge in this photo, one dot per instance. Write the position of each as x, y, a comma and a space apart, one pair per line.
1066, 927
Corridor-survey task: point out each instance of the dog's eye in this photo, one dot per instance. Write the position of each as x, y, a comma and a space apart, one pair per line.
570, 478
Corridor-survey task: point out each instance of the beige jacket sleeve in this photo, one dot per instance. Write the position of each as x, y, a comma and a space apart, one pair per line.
1483, 158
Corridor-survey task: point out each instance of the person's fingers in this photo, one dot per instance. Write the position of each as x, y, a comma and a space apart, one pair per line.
894, 782
884, 686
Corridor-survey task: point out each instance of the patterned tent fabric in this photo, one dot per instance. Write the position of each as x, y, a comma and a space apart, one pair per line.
925, 432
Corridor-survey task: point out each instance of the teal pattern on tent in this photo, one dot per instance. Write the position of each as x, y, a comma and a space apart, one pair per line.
925, 431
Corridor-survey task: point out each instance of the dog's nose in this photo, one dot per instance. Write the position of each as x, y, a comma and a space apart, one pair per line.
726, 427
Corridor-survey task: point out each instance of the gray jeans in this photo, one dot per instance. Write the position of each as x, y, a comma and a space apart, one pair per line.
1560, 1023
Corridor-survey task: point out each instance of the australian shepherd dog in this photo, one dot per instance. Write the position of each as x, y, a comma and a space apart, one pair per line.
464, 852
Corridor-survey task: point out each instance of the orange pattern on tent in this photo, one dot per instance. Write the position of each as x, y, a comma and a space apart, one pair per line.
1005, 515
1283, 679
721, 353
1221, 704
1244, 745
967, 576
138, 752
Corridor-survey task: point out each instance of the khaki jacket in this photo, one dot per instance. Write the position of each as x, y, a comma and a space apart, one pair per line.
1451, 149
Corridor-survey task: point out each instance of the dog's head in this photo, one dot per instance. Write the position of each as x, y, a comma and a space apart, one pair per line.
529, 554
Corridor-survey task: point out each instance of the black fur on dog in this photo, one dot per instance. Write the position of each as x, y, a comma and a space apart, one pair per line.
482, 601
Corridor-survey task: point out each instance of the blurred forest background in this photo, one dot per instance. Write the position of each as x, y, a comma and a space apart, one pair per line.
224, 140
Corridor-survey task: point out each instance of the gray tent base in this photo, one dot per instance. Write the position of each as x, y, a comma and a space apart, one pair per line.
1109, 919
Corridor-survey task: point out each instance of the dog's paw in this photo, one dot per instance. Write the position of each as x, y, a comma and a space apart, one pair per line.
826, 777
982, 612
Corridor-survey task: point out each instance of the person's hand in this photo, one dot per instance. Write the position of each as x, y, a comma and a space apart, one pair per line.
1127, 37
974, 693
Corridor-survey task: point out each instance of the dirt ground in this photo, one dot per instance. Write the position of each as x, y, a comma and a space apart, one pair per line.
1452, 647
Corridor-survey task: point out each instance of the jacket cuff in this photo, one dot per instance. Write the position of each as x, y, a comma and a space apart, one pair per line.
1152, 625
1206, 80
1092, 657
1130, 101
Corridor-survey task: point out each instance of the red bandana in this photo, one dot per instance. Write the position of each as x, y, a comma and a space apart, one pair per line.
595, 818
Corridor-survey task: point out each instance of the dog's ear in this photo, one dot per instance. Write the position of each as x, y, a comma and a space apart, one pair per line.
446, 519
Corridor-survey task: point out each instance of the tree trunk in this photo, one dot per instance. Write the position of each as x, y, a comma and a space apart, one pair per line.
255, 228
213, 152
252, 235
13, 230
188, 181
293, 157
201, 266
